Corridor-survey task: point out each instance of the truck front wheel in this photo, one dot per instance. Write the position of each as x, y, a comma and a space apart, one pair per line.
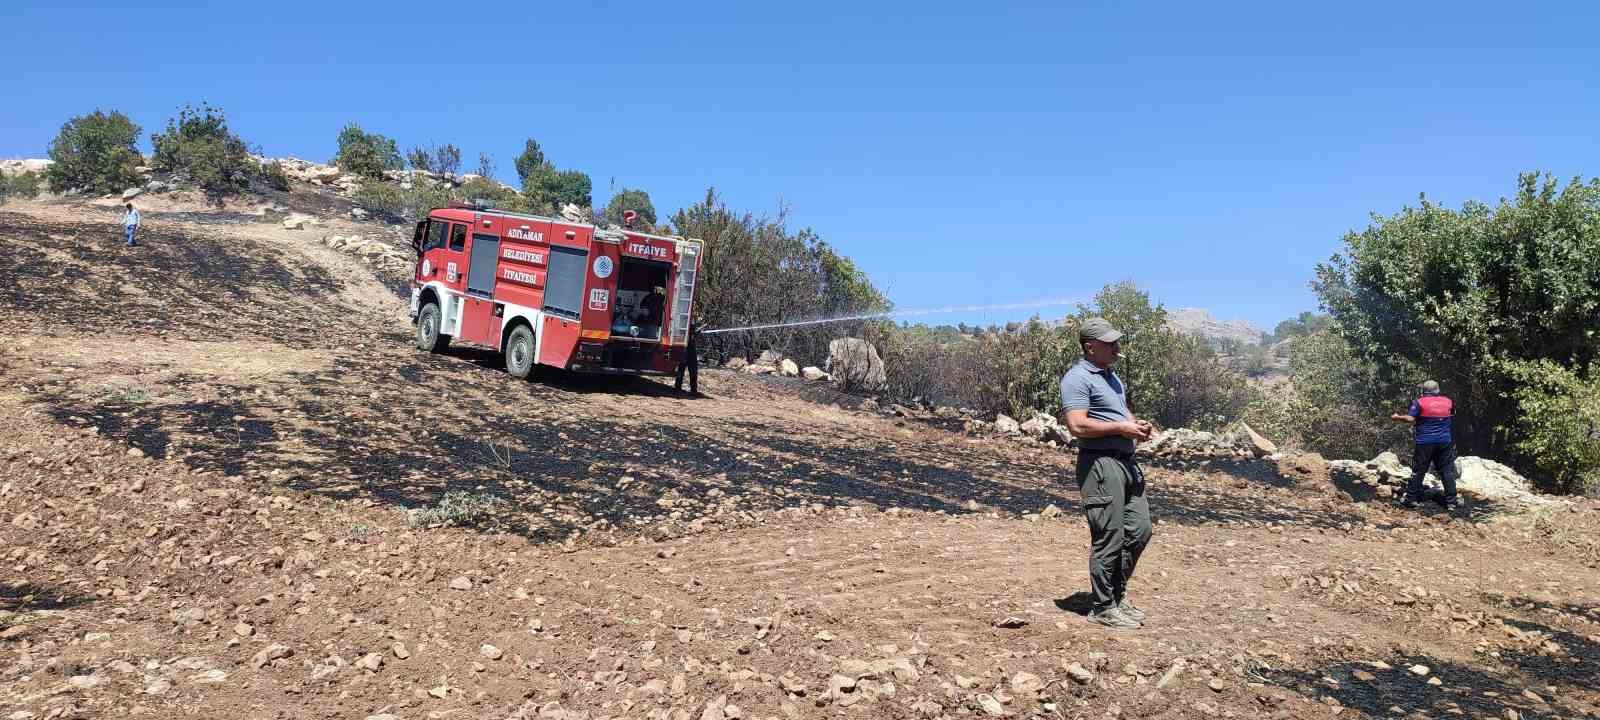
428, 336
519, 352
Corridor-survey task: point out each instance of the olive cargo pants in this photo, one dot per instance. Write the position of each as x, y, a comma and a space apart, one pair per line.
1119, 521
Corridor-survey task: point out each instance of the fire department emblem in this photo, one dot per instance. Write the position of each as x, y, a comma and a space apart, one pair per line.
602, 267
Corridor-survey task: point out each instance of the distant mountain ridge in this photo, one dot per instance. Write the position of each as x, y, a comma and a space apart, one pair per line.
1196, 321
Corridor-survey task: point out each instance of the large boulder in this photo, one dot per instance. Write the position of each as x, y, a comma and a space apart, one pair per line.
1489, 479
132, 193
1005, 425
789, 368
813, 373
325, 174
855, 365
1258, 444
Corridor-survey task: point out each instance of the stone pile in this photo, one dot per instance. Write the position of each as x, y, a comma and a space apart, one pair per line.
376, 253
772, 362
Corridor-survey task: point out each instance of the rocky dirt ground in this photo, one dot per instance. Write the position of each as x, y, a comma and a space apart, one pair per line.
223, 479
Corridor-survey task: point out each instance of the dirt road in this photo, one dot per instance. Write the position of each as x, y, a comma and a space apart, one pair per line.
211, 444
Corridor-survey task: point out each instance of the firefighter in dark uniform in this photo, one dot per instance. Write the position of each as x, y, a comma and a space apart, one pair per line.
690, 362
1095, 410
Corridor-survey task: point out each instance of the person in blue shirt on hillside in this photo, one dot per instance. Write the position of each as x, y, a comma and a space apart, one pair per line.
1431, 414
130, 225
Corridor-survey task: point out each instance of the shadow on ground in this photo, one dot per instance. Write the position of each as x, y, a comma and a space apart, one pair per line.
29, 597
1396, 691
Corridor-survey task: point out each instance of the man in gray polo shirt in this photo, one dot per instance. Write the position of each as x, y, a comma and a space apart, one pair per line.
1094, 408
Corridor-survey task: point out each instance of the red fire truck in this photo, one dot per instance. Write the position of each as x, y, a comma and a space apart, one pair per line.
549, 292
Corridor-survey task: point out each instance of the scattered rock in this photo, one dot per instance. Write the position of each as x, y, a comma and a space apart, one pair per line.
990, 706
813, 373
132, 193
371, 661
491, 652
271, 652
1010, 622
209, 677
788, 368
296, 222
1419, 670
1004, 425
461, 582
1080, 674
1172, 673
1026, 684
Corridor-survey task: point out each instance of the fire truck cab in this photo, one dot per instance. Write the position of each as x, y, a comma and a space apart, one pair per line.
544, 291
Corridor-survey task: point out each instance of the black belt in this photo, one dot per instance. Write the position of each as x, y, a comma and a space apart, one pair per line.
1106, 452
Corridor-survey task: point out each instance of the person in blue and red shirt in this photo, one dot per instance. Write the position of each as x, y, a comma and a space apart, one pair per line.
1430, 414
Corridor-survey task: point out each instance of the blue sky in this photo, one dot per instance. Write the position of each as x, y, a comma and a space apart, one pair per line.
962, 153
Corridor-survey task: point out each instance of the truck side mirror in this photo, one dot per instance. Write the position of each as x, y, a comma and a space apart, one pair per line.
416, 237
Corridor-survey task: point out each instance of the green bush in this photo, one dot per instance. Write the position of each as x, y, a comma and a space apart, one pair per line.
1335, 403
22, 185
367, 154
1557, 424
391, 200
198, 145
95, 153
273, 175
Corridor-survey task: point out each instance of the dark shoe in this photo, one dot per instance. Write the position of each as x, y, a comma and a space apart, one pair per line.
1128, 609
1408, 502
1113, 618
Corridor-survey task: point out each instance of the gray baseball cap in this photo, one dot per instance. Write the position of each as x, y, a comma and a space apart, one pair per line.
1429, 387
1098, 329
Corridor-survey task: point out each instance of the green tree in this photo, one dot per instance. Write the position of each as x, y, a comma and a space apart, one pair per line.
447, 159
95, 153
198, 145
630, 199
530, 162
570, 187
1462, 296
756, 271
367, 154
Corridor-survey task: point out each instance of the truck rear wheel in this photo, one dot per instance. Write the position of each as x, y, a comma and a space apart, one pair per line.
519, 352
428, 336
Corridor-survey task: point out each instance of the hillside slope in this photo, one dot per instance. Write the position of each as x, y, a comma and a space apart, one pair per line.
209, 446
